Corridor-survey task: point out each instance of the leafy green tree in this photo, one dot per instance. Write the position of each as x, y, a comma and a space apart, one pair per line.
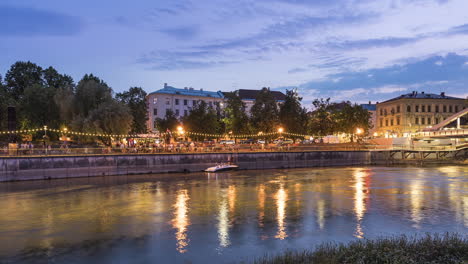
135, 99
293, 117
351, 117
110, 117
20, 76
321, 119
235, 120
169, 122
264, 112
89, 94
202, 119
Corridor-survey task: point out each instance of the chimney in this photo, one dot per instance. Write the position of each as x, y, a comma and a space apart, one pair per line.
442, 94
370, 102
165, 85
201, 89
422, 92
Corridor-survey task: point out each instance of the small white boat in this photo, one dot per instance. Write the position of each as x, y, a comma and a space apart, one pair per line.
222, 167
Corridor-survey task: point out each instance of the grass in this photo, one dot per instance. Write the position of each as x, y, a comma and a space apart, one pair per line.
446, 248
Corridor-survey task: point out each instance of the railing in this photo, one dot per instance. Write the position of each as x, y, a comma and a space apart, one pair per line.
4, 152
451, 132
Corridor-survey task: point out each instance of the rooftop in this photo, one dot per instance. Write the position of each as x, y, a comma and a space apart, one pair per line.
245, 94
422, 95
189, 91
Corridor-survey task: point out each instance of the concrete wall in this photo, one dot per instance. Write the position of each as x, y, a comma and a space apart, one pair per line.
35, 168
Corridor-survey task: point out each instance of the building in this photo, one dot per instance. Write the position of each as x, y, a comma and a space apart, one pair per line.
249, 96
415, 111
179, 100
371, 108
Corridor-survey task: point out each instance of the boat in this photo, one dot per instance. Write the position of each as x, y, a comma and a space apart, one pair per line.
222, 167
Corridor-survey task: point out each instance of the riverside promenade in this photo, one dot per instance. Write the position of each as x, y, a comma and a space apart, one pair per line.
39, 167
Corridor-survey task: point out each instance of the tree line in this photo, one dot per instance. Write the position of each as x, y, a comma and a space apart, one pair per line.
266, 115
45, 97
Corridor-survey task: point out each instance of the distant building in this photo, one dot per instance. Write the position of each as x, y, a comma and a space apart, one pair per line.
249, 96
179, 100
372, 109
415, 111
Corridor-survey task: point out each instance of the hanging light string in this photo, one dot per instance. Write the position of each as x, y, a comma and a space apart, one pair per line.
229, 135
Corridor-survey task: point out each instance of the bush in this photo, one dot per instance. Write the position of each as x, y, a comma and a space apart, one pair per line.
446, 248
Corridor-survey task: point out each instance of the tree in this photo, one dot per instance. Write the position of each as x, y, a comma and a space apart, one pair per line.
235, 120
265, 112
321, 121
293, 117
202, 119
135, 99
351, 117
110, 117
21, 75
89, 94
169, 122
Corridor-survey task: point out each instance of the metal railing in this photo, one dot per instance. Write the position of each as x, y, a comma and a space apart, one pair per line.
176, 149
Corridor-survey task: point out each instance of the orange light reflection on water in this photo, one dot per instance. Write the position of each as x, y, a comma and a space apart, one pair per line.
181, 220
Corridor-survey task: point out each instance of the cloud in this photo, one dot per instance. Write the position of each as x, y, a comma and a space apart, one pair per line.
22, 21
182, 33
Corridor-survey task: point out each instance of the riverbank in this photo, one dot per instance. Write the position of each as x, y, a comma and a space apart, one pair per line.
447, 248
55, 167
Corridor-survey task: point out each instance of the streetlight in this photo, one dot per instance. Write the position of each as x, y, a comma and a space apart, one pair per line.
359, 131
280, 130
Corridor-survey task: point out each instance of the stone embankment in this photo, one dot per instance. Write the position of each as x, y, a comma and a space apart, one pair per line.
52, 167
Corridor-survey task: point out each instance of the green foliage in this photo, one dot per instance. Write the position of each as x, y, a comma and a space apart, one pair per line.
135, 99
21, 75
235, 120
169, 122
351, 117
89, 94
292, 116
447, 248
264, 112
321, 119
202, 119
110, 117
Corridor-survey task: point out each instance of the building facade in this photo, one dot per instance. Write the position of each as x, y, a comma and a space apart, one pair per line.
179, 100
415, 111
248, 97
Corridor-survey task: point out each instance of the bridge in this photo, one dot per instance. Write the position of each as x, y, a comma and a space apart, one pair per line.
440, 130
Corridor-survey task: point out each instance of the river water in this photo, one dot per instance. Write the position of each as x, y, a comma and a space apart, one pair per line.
226, 217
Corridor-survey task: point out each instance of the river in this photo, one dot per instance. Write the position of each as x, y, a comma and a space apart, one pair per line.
226, 217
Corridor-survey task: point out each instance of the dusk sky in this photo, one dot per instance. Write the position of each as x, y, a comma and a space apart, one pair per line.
348, 50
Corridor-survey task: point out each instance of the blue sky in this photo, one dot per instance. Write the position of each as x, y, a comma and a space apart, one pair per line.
356, 50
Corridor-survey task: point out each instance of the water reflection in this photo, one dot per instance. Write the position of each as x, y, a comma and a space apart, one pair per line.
281, 197
360, 196
244, 213
223, 220
181, 220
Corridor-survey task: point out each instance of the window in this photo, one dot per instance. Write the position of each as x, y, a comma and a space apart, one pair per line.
428, 120
422, 120
168, 102
177, 112
176, 101
391, 122
185, 101
416, 121
381, 122
398, 120
417, 108
437, 108
436, 120
398, 109
444, 109
194, 102
429, 108
381, 111
185, 112
423, 108
408, 108
155, 111
450, 109
386, 122
155, 100
456, 109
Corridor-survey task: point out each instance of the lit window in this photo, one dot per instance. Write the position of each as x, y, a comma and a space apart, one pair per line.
155, 100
